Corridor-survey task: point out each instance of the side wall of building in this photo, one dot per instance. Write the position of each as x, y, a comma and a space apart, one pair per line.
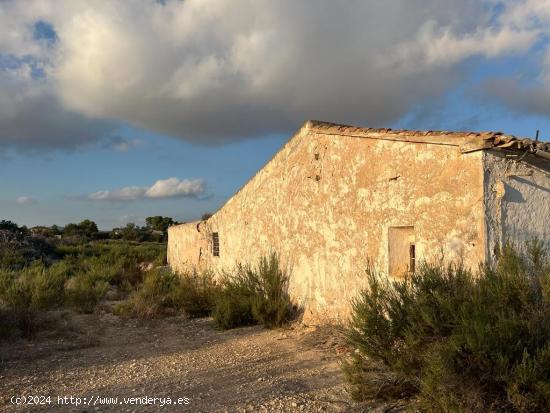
188, 247
517, 200
328, 205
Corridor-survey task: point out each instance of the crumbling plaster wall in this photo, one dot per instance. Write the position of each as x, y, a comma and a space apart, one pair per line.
188, 248
517, 200
324, 203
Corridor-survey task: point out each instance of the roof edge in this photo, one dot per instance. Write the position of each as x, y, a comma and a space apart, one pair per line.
467, 141
415, 136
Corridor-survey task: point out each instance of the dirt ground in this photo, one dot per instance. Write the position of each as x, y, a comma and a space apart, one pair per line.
105, 361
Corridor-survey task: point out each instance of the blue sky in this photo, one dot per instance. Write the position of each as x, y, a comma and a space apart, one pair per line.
60, 180
115, 111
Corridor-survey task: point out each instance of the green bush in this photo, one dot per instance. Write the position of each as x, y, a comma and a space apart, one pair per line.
250, 296
254, 295
19, 250
271, 305
104, 268
233, 305
454, 341
115, 262
10, 259
195, 294
48, 286
79, 280
155, 297
16, 295
84, 291
26, 292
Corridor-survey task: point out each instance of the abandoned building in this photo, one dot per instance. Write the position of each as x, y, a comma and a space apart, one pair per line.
337, 197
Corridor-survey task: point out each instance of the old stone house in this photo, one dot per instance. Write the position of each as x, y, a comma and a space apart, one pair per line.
336, 197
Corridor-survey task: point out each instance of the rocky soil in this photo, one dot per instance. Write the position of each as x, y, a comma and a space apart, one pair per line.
95, 357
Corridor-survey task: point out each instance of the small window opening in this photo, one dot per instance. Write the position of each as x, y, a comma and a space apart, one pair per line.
412, 258
401, 251
215, 244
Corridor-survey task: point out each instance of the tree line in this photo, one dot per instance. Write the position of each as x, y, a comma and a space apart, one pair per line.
155, 229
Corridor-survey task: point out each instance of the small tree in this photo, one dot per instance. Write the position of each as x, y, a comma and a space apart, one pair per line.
9, 226
88, 228
159, 223
131, 232
85, 228
71, 230
55, 230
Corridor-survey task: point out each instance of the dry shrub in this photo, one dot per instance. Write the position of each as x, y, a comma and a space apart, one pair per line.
454, 341
24, 293
196, 294
84, 292
154, 298
254, 295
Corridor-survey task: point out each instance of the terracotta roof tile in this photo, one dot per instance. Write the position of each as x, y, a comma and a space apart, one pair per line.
468, 141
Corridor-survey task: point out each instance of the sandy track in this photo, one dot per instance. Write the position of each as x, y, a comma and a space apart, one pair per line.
243, 370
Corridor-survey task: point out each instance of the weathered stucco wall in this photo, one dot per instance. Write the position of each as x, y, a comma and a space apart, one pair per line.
326, 202
517, 200
188, 248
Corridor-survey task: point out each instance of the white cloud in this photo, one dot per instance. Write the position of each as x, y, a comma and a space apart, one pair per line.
173, 187
26, 200
434, 46
527, 94
32, 117
164, 188
128, 193
213, 71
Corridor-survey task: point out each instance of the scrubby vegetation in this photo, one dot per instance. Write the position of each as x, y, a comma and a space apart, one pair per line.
197, 294
47, 268
69, 275
84, 292
233, 304
248, 296
18, 248
448, 340
163, 293
254, 295
155, 297
26, 292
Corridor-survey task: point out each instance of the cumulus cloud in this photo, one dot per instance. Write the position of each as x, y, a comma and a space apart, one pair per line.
529, 94
128, 193
173, 187
163, 188
213, 71
26, 200
529, 99
32, 118
436, 46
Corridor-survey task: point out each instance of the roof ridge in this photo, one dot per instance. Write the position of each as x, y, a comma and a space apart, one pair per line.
317, 124
490, 139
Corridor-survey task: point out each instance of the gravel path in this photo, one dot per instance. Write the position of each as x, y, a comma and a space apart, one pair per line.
243, 370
